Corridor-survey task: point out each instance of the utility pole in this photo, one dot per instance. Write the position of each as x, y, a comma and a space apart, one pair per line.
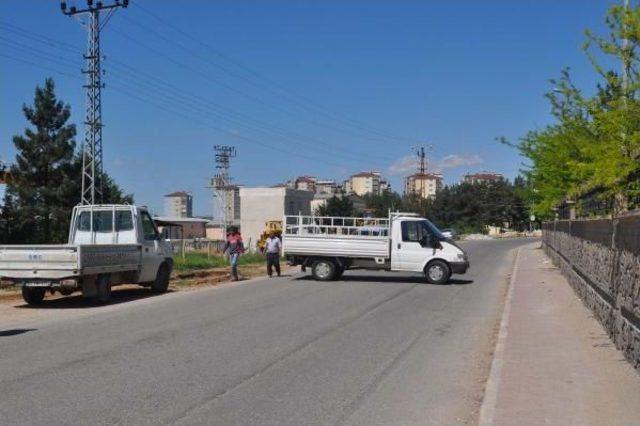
91, 191
221, 183
422, 157
422, 169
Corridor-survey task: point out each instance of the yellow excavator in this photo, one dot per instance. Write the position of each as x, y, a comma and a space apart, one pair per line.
270, 226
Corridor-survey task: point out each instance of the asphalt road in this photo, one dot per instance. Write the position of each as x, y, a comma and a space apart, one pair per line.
369, 349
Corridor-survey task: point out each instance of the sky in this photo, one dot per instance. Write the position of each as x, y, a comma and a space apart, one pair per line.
321, 88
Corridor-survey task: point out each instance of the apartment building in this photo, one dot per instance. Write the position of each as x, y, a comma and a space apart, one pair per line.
305, 183
366, 183
482, 177
178, 204
424, 185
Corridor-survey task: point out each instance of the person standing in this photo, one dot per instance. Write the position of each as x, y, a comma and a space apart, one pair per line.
272, 247
234, 248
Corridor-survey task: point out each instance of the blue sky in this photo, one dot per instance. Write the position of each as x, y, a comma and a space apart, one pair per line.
323, 88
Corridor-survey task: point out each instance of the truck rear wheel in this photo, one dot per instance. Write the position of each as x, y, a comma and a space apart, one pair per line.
437, 272
323, 270
33, 295
161, 284
103, 286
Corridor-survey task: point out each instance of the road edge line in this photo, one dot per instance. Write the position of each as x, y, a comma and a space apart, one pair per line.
489, 402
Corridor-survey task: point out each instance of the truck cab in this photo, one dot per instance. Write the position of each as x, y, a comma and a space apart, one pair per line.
121, 225
418, 246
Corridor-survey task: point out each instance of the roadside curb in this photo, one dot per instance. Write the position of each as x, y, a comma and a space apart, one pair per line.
487, 410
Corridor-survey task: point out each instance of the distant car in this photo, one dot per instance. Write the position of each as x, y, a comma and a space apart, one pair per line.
449, 233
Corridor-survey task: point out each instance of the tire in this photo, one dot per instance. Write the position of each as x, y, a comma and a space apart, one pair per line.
103, 286
161, 284
437, 272
33, 295
323, 270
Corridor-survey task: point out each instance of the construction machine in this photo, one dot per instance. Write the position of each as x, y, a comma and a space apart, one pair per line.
270, 226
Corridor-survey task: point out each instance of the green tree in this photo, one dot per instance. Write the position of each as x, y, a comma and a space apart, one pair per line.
32, 200
337, 206
44, 182
594, 144
380, 204
471, 207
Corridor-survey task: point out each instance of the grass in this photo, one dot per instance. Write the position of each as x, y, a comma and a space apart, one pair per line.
197, 260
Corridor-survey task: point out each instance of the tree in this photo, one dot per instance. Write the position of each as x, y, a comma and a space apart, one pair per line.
44, 182
380, 204
337, 206
32, 200
594, 145
471, 207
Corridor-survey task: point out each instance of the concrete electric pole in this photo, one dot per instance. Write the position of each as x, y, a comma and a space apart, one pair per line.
92, 145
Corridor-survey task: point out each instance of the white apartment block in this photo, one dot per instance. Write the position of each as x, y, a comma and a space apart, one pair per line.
424, 185
178, 204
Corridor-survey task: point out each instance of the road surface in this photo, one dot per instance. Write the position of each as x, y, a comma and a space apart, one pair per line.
369, 349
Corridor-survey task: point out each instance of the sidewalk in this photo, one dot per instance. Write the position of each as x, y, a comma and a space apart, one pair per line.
554, 363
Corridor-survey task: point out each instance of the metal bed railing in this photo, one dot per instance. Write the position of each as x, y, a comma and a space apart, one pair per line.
336, 226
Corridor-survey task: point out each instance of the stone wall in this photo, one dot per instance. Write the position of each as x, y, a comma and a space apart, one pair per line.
601, 260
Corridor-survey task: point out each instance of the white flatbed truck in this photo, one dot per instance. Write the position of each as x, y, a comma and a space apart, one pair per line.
108, 245
402, 242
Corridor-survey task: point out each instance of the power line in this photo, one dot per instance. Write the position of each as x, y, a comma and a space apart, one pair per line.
130, 91
305, 102
196, 101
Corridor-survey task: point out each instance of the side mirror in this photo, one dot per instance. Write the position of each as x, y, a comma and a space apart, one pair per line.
426, 241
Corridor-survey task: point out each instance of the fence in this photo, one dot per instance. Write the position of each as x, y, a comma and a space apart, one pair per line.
601, 259
211, 247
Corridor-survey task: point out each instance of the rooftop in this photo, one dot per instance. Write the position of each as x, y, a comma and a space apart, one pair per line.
366, 174
179, 194
425, 176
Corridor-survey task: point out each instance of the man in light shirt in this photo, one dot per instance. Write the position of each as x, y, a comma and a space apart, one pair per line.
272, 248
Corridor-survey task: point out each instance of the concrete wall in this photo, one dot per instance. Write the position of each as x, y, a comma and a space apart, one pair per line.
259, 205
601, 260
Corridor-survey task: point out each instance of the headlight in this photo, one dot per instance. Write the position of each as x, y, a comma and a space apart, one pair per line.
462, 256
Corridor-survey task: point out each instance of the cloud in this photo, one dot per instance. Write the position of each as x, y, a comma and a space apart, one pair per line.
403, 166
409, 164
454, 160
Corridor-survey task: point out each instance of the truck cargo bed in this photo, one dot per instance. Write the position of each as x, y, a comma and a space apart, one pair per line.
346, 246
54, 262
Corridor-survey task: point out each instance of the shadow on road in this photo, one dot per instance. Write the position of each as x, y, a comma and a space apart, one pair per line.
409, 279
15, 331
76, 301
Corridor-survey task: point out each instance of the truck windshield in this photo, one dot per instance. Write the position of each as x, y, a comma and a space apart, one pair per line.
433, 229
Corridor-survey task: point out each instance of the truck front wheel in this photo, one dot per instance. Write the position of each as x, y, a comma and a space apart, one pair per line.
323, 270
33, 295
161, 284
437, 272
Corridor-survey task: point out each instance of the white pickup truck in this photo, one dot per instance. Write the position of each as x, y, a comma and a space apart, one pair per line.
108, 245
400, 242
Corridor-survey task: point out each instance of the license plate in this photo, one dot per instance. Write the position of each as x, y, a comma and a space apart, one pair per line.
37, 284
